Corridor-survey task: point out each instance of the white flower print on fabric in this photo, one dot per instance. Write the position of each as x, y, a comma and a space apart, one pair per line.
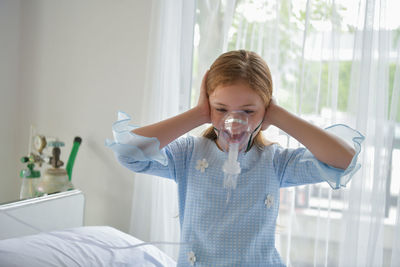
192, 258
202, 165
269, 201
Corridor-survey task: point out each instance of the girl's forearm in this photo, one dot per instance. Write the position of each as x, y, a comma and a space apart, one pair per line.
168, 130
323, 145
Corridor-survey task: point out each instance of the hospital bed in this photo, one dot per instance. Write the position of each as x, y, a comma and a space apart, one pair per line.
49, 231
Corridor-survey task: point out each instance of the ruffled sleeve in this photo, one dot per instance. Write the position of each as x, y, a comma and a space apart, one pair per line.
143, 154
298, 166
130, 145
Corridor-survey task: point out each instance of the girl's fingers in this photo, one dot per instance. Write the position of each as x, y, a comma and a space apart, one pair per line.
266, 123
203, 88
203, 99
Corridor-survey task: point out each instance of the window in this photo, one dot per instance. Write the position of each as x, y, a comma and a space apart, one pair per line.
312, 76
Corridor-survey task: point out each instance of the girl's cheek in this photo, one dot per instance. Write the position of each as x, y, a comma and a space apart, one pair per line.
215, 118
256, 120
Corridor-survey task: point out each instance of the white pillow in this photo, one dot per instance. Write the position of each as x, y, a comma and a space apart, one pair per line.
82, 246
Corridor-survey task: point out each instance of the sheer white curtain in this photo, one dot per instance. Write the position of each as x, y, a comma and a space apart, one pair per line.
169, 67
364, 228
332, 61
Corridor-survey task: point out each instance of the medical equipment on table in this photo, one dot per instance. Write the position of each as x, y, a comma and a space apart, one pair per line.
54, 179
72, 156
30, 179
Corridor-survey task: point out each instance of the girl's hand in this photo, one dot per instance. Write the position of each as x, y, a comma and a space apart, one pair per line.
269, 114
203, 104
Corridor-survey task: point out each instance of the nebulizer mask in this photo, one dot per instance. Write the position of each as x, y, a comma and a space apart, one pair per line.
234, 136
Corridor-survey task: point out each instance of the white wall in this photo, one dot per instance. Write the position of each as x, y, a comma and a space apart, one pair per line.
9, 40
80, 62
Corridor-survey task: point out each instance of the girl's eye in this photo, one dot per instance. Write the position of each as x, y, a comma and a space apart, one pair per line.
248, 111
220, 109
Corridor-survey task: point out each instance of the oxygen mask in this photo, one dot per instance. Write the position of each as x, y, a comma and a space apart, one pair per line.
234, 131
233, 137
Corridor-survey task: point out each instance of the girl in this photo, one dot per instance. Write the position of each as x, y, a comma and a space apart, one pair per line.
240, 231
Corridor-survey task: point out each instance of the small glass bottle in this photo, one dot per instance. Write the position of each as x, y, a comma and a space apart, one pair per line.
30, 180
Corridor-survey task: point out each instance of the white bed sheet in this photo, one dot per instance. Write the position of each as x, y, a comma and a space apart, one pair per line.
82, 246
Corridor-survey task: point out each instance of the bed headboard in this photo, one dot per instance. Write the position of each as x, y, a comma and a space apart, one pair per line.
52, 212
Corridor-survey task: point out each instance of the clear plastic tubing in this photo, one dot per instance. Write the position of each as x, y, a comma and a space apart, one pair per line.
231, 169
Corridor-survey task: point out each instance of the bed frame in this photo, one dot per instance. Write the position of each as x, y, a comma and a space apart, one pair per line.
52, 212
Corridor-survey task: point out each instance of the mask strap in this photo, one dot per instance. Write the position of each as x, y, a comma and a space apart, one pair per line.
251, 136
216, 130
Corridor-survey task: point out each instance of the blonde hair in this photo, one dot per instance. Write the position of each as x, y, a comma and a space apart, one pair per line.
241, 65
